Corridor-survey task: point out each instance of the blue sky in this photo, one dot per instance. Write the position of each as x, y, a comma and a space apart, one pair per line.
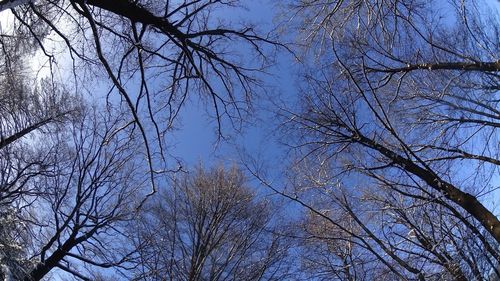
196, 140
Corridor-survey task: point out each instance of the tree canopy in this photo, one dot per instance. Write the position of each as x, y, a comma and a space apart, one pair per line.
390, 140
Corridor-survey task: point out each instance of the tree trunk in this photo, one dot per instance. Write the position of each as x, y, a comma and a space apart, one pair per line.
465, 200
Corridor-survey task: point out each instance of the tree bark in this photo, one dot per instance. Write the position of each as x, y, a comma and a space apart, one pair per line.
474, 66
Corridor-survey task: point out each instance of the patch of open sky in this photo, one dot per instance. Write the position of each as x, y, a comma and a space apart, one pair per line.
197, 138
256, 140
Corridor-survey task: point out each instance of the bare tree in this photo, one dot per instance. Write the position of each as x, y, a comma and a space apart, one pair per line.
209, 226
398, 124
66, 194
29, 109
167, 48
82, 173
96, 184
147, 56
26, 114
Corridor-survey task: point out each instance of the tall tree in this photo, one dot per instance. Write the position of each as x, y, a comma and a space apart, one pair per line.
76, 209
210, 226
152, 54
399, 123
